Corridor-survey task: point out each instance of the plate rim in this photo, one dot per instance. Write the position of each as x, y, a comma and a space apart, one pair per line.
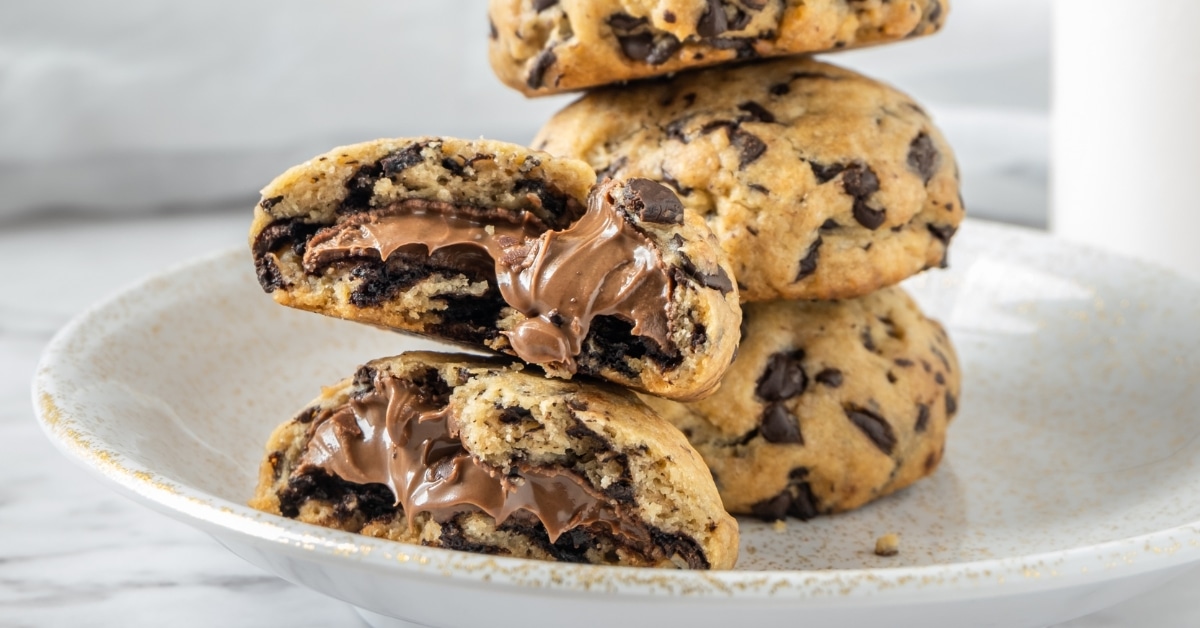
990, 577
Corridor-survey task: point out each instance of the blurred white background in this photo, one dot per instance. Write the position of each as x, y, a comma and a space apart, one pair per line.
142, 105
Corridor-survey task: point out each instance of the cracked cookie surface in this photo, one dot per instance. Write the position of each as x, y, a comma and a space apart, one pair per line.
497, 246
829, 405
549, 46
819, 182
480, 455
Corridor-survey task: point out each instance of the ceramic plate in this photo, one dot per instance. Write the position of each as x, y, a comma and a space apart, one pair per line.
1071, 482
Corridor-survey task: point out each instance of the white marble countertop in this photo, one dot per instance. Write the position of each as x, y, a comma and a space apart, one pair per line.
74, 553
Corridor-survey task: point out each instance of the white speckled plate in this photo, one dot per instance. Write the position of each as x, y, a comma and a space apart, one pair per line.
1072, 477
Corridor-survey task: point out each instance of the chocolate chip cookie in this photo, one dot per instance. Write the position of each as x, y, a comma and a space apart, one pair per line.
549, 46
819, 182
480, 455
829, 405
497, 246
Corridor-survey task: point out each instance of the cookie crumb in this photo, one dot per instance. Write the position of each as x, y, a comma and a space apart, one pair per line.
779, 526
887, 545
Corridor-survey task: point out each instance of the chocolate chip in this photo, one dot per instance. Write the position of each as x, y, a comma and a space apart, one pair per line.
943, 233
307, 415
750, 146
360, 188
829, 224
867, 340
780, 426
514, 414
665, 48
759, 188
942, 357
780, 89
713, 22
492, 32
930, 462
718, 281
537, 73
456, 165
922, 417
874, 426
868, 217
830, 377
653, 202
740, 20
398, 161
542, 5
744, 46
808, 263
796, 499
905, 362
668, 17
934, 13
923, 156
859, 181
757, 112
939, 378
783, 377
951, 404
825, 173
756, 5
624, 22
891, 377
267, 203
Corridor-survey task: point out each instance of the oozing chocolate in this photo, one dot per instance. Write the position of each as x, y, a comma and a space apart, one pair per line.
397, 434
560, 280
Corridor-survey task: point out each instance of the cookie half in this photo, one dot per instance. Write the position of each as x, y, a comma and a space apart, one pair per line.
497, 246
828, 406
472, 454
819, 183
549, 46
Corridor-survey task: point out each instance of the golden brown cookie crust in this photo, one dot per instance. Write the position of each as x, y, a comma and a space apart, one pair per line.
828, 406
598, 432
819, 182
548, 46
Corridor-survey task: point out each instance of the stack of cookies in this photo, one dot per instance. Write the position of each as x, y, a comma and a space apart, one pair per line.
825, 189
612, 272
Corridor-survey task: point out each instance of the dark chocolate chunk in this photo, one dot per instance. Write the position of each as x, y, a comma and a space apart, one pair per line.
542, 5
939, 378
624, 22
930, 462
759, 188
831, 377
360, 188
825, 173
749, 145
874, 426
306, 415
713, 22
514, 414
808, 263
744, 46
664, 48
541, 63
905, 362
719, 280
401, 160
610, 171
859, 181
492, 32
740, 20
780, 426
922, 418
934, 13
780, 89
829, 224
796, 499
867, 216
867, 340
783, 377
637, 47
951, 404
269, 275
757, 113
923, 156
653, 202
942, 232
891, 377
756, 5
456, 165
669, 17
267, 203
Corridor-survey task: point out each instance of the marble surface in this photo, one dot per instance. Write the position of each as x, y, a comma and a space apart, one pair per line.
74, 553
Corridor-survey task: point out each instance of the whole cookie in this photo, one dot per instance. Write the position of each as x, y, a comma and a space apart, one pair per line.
829, 405
497, 246
478, 455
549, 46
818, 182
